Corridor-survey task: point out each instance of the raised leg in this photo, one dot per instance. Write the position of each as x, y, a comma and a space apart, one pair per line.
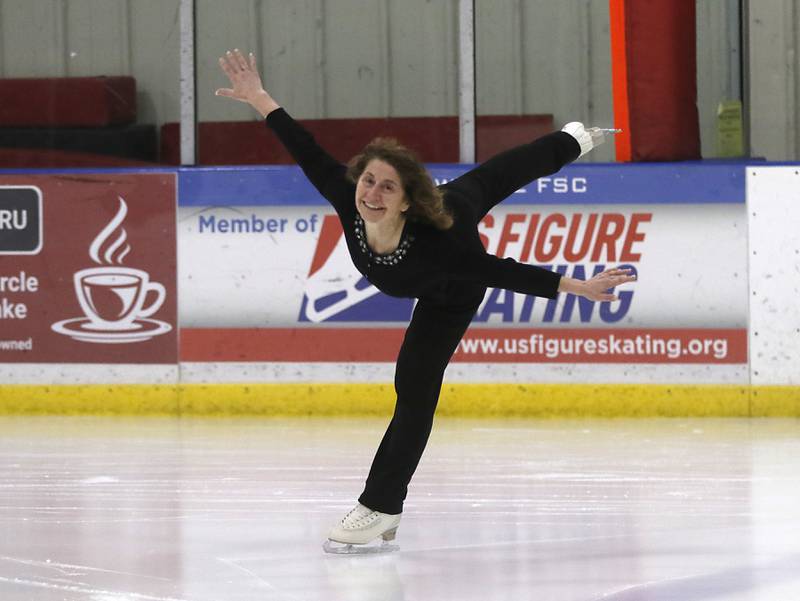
492, 181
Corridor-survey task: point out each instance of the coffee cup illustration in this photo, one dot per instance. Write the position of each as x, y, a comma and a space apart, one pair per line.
113, 298
117, 301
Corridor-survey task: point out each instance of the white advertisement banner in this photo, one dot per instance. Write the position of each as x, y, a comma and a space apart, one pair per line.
257, 267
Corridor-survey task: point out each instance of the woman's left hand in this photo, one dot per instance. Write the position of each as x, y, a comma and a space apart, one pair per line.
597, 288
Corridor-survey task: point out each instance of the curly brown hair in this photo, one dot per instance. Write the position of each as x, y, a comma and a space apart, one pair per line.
426, 201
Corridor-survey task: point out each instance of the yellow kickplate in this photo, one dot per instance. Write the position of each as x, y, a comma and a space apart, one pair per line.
775, 401
145, 399
475, 400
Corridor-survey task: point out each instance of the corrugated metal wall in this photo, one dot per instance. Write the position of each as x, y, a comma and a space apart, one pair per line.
718, 64
350, 58
53, 38
774, 72
545, 57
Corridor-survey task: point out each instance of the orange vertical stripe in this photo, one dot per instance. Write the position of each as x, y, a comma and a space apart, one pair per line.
619, 78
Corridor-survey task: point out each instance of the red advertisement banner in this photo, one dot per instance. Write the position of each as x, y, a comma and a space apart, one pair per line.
480, 345
88, 268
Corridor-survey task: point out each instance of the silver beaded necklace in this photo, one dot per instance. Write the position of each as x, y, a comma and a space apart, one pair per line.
392, 258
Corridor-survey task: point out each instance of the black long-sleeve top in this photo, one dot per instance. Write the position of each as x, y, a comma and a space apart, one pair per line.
444, 267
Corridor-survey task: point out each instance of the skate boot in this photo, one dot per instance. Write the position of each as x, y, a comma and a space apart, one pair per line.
360, 527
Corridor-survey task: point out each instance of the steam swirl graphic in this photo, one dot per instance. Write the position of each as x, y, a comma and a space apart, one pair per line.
102, 238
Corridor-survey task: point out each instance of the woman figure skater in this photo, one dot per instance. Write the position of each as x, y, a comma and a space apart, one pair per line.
413, 239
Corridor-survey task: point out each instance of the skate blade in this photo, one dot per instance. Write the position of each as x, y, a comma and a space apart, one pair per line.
335, 548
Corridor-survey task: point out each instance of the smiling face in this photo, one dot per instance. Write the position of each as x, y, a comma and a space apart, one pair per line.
379, 194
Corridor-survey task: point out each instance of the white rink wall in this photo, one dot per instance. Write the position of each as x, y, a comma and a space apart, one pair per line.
773, 205
715, 278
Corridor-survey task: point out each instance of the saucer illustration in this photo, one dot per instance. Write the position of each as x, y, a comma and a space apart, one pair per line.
84, 330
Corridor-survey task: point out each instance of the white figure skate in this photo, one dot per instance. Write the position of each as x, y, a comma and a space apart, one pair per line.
590, 137
360, 527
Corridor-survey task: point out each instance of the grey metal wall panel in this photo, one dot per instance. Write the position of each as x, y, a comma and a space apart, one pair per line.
500, 37
222, 26
537, 56
351, 58
357, 71
773, 71
716, 80
292, 60
423, 57
33, 38
600, 101
96, 37
155, 59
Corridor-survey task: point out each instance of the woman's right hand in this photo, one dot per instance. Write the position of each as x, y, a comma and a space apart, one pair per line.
246, 82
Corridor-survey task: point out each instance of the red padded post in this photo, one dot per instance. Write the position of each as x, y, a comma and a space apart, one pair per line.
655, 86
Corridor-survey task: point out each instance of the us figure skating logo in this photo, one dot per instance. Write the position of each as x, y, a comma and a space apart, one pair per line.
336, 291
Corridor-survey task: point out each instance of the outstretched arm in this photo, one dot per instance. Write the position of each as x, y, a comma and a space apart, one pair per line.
323, 171
492, 271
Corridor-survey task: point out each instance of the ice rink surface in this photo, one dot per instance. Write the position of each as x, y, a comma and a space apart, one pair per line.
165, 509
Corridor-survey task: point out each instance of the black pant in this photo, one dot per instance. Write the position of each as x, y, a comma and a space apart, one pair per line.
435, 331
430, 341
